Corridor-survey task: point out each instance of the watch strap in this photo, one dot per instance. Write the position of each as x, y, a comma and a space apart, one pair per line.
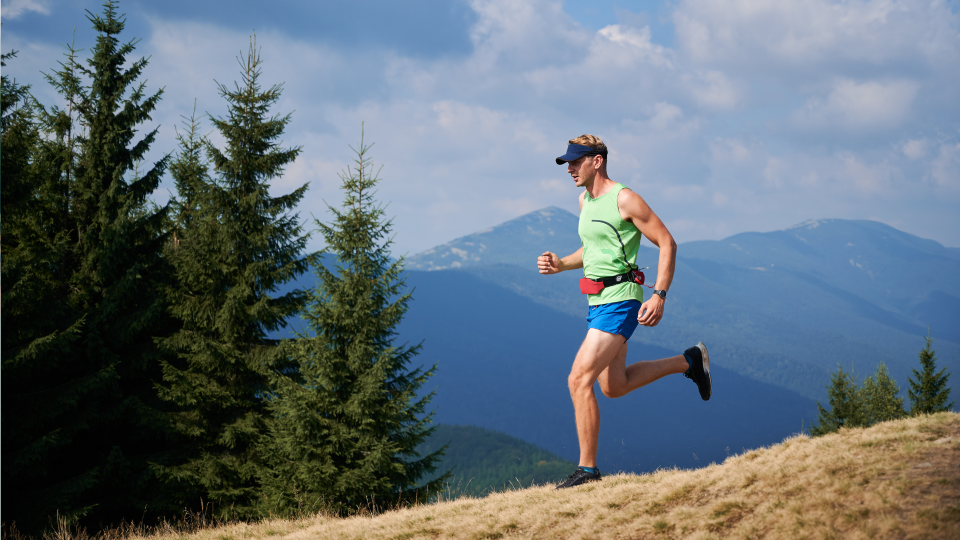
660, 293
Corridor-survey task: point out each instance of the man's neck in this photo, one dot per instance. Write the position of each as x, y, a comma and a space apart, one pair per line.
600, 186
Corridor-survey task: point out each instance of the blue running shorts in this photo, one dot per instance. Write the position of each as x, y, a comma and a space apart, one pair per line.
615, 318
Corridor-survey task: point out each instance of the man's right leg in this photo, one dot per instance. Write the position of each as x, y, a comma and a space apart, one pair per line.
598, 351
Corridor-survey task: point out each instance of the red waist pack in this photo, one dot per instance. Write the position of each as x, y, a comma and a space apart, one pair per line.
589, 286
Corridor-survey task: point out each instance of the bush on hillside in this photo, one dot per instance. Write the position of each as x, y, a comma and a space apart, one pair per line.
880, 398
877, 399
929, 392
846, 406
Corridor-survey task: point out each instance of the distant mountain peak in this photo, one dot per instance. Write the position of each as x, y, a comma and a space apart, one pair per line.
809, 224
518, 242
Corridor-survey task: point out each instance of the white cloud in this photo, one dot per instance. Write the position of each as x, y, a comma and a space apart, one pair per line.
636, 46
729, 150
12, 9
859, 106
556, 185
719, 199
866, 177
813, 35
771, 173
766, 113
712, 89
945, 169
915, 149
665, 116
523, 34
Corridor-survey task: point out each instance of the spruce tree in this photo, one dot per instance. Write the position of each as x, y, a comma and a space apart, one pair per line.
880, 399
80, 414
20, 136
846, 407
928, 388
46, 404
346, 422
233, 245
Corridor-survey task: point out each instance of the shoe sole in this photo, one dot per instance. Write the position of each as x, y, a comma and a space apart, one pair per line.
580, 484
706, 366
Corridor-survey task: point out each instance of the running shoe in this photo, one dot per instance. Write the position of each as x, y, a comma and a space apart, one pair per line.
699, 370
578, 477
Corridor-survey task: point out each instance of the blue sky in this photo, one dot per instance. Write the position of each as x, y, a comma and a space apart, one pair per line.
725, 115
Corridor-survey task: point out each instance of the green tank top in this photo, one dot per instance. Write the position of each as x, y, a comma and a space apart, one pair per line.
610, 246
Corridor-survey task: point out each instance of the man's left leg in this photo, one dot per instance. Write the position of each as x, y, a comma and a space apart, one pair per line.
619, 379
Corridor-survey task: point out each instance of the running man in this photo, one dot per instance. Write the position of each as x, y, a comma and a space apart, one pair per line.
612, 221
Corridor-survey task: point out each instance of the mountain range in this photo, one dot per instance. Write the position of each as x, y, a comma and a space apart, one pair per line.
783, 307
777, 310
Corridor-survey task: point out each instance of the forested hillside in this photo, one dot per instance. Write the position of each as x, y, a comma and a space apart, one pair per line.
483, 461
142, 377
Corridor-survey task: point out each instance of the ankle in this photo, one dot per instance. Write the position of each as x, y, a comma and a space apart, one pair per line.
689, 362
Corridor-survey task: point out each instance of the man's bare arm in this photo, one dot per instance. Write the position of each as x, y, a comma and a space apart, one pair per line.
549, 263
635, 210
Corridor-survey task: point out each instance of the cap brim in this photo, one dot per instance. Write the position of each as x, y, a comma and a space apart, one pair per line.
567, 158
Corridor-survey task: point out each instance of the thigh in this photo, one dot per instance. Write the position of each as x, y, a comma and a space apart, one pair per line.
615, 374
598, 351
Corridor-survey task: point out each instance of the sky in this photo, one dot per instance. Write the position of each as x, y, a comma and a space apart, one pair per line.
726, 116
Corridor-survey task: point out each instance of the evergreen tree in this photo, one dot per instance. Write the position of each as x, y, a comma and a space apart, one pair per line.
43, 410
20, 137
846, 405
879, 396
347, 421
80, 418
928, 388
233, 245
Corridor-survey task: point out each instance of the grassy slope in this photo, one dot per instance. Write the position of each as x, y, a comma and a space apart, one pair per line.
899, 479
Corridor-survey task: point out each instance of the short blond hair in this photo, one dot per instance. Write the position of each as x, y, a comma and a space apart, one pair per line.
590, 140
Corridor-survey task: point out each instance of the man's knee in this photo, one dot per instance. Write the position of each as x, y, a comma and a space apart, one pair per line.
612, 391
579, 382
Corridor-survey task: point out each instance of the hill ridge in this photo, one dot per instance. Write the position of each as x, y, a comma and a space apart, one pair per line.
893, 480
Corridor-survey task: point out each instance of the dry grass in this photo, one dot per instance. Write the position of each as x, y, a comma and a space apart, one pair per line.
899, 479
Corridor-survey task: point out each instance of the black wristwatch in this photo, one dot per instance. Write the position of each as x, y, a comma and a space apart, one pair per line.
661, 294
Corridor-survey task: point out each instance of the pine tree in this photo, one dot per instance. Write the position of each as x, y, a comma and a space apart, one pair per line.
233, 245
80, 411
46, 404
928, 388
20, 137
880, 400
846, 405
347, 421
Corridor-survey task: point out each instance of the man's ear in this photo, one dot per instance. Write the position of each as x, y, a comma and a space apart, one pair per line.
597, 161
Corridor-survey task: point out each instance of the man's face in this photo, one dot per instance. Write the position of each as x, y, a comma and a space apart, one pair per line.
583, 170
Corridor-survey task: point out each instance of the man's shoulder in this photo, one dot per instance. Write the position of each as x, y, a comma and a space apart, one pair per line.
627, 194
630, 205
